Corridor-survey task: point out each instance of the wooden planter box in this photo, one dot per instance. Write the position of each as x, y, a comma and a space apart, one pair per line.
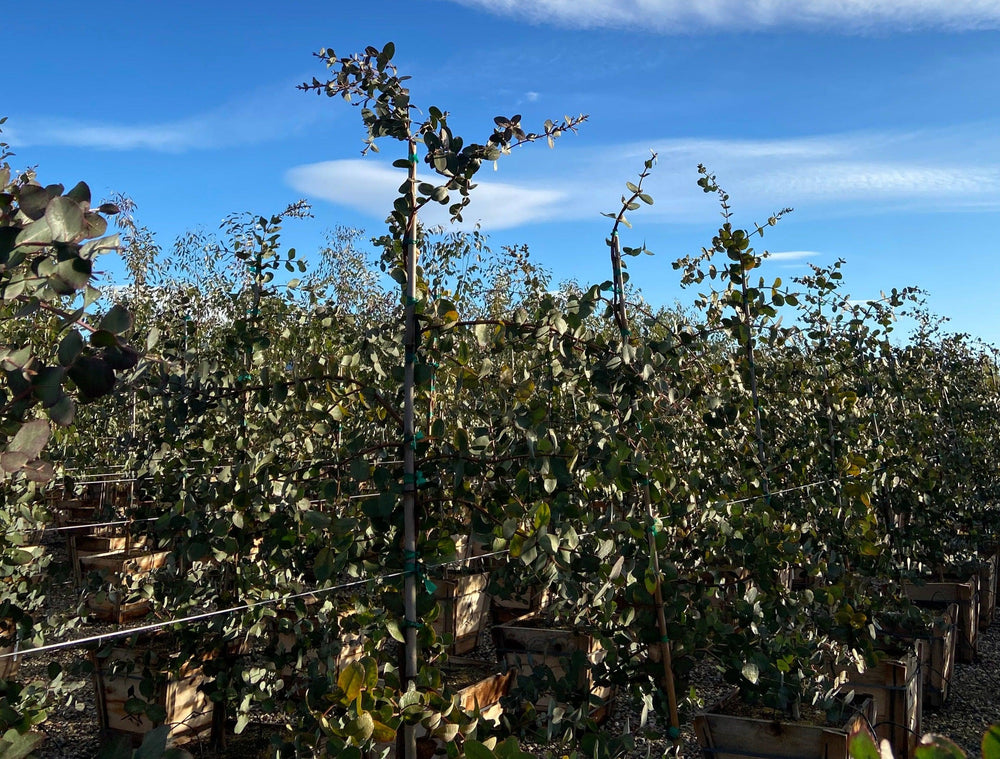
936, 649
114, 565
486, 690
939, 595
112, 605
725, 736
896, 687
9, 665
467, 547
188, 709
93, 545
528, 642
484, 693
504, 610
75, 512
939, 657
464, 603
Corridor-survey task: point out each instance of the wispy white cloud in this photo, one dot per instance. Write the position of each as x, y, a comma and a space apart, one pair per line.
792, 255
687, 15
863, 172
821, 176
856, 180
261, 116
370, 187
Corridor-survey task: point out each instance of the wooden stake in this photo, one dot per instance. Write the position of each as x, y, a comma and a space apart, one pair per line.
409, 744
621, 316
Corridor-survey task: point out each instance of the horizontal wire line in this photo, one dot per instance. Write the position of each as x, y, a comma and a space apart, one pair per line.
69, 528
79, 642
267, 602
118, 522
363, 496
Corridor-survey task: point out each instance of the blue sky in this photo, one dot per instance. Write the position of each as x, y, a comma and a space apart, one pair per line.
877, 121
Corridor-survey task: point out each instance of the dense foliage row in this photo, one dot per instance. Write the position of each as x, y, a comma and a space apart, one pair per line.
771, 430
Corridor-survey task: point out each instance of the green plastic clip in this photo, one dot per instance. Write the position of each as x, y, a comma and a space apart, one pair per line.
419, 480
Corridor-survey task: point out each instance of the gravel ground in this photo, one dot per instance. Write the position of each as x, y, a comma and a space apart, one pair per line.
974, 697
72, 731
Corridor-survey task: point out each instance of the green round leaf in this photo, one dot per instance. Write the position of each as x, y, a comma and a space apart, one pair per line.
991, 743
117, 320
65, 219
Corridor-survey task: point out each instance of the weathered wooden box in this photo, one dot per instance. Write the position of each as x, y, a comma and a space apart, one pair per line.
75, 512
727, 736
936, 650
486, 689
896, 686
82, 545
529, 643
464, 605
988, 567
9, 665
118, 680
112, 604
939, 595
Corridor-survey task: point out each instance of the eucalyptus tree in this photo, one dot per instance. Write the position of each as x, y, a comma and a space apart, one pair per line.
54, 356
371, 80
766, 393
942, 418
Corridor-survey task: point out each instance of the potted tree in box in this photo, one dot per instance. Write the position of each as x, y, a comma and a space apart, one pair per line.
784, 645
150, 682
558, 666
461, 592
792, 699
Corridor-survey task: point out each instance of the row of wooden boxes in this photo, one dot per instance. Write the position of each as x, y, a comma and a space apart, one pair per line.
916, 674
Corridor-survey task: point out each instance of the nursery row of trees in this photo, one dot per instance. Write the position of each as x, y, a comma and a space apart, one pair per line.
289, 425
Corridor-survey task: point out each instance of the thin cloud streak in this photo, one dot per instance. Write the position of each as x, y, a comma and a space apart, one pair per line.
266, 115
821, 176
866, 172
681, 16
370, 187
792, 255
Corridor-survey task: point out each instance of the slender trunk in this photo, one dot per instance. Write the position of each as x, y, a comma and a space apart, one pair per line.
408, 749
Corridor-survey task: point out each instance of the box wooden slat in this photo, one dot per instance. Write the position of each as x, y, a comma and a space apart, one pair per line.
965, 594
189, 710
723, 736
525, 647
987, 588
464, 605
896, 686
